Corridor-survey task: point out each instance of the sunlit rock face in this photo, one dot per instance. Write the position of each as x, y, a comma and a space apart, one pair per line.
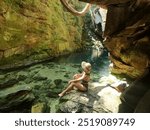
128, 37
35, 30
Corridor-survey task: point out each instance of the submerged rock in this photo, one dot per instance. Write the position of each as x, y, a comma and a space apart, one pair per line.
53, 104
8, 82
57, 81
14, 96
38, 77
38, 108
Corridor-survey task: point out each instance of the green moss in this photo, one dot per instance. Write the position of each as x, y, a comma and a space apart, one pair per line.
42, 27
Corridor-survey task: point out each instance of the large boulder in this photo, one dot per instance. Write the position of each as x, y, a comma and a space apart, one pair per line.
98, 99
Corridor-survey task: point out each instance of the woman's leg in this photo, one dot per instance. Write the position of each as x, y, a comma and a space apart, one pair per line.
69, 88
80, 86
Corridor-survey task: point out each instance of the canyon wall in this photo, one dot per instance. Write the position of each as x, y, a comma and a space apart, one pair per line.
35, 30
128, 38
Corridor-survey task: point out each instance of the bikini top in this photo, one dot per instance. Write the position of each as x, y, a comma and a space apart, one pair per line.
86, 74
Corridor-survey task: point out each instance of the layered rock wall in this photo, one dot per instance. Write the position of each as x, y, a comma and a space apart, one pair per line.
34, 30
128, 38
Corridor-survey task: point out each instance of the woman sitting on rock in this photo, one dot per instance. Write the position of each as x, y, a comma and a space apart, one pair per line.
80, 81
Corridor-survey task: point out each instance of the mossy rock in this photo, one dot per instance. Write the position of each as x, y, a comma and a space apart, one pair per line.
38, 108
37, 30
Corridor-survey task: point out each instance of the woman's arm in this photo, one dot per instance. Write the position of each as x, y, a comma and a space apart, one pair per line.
78, 79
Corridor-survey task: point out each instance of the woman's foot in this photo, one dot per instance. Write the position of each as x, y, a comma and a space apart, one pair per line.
61, 94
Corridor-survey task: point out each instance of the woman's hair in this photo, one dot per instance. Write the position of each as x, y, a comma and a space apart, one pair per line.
86, 67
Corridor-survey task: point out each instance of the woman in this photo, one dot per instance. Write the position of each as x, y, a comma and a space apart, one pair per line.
80, 81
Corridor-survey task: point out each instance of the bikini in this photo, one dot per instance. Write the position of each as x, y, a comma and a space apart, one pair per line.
84, 82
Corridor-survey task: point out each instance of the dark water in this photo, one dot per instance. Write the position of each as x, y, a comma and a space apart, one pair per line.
100, 64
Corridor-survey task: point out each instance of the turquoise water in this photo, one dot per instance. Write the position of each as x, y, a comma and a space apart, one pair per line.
100, 64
